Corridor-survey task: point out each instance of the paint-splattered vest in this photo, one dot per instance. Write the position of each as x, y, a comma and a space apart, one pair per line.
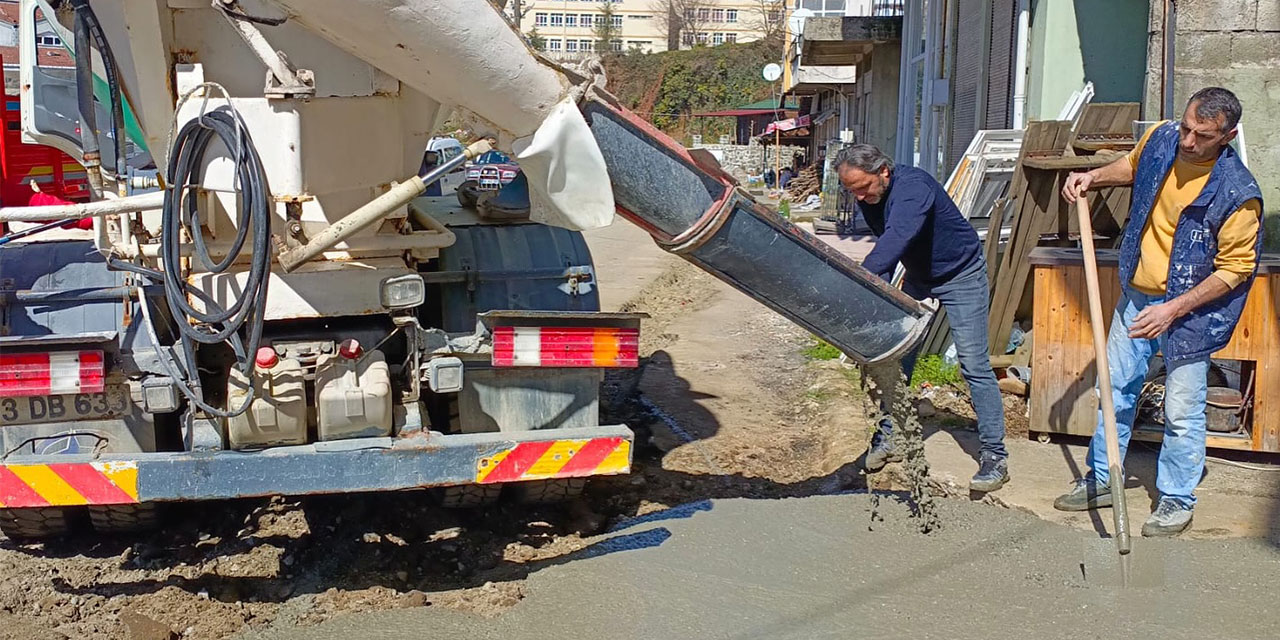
1195, 242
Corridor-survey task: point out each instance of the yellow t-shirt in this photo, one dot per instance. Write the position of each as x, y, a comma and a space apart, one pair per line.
1236, 255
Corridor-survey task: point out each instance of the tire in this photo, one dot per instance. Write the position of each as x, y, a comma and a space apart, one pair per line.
124, 518
468, 193
36, 523
549, 491
470, 496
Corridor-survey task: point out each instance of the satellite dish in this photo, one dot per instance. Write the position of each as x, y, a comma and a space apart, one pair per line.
772, 72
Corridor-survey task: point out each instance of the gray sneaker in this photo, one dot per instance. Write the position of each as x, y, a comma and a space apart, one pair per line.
1169, 519
879, 454
993, 472
1086, 495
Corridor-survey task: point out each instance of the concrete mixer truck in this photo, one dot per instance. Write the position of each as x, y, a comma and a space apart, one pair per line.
267, 305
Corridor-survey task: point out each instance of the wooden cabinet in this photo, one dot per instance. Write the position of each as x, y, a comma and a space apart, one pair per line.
1062, 359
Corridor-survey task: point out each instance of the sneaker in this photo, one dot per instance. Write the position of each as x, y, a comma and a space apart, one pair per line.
1086, 495
1169, 519
879, 454
993, 472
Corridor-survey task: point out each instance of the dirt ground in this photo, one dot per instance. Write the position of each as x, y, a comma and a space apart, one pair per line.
724, 405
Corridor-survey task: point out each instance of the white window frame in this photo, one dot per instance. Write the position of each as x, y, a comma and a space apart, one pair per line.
571, 20
553, 44
557, 19
570, 45
730, 38
717, 39
617, 21
717, 15
731, 16
540, 19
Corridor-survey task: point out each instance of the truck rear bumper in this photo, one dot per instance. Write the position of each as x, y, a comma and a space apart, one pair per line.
343, 466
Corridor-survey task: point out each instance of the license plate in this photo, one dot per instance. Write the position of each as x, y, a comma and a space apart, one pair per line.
112, 403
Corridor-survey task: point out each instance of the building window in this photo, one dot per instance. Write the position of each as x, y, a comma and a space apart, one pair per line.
689, 14
571, 46
717, 38
553, 44
586, 45
585, 19
731, 37
49, 41
704, 15
702, 38
615, 45
540, 19
731, 15
774, 15
617, 21
557, 19
638, 44
686, 39
570, 19
717, 15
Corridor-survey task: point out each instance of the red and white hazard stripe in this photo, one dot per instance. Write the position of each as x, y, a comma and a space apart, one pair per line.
49, 374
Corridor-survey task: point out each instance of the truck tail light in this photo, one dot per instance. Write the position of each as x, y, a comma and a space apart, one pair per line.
603, 347
47, 374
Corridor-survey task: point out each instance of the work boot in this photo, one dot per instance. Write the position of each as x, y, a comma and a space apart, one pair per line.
880, 453
993, 472
1086, 495
1169, 519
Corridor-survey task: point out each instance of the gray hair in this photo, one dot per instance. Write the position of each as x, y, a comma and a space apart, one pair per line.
864, 157
1212, 102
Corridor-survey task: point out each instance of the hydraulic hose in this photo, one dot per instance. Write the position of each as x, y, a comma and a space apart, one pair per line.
85, 14
240, 323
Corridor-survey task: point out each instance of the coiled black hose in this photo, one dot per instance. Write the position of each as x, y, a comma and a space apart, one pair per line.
216, 324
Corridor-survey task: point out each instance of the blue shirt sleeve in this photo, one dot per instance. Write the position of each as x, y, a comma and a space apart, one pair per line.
904, 218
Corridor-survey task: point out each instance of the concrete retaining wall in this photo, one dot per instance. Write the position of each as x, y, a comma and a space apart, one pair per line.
1233, 44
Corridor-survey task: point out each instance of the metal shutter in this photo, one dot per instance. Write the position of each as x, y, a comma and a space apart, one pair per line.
969, 54
1004, 22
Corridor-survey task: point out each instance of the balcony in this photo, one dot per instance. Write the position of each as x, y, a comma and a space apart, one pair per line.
839, 41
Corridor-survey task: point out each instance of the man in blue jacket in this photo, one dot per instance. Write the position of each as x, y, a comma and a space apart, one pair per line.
1187, 259
917, 224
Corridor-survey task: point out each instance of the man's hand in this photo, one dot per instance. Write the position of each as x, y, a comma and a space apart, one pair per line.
1155, 320
1075, 184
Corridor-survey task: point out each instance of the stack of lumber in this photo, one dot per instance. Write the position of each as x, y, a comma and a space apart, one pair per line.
1037, 215
805, 184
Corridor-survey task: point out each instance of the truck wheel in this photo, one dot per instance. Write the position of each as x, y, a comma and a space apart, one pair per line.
470, 496
549, 491
36, 523
124, 518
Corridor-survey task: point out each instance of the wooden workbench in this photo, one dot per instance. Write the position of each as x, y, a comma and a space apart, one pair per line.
1062, 359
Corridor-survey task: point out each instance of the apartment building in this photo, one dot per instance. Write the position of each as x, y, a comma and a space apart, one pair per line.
567, 27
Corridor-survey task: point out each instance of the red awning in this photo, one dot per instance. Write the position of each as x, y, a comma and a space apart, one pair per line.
788, 124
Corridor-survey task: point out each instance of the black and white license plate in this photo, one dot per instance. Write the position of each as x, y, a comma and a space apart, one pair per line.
113, 402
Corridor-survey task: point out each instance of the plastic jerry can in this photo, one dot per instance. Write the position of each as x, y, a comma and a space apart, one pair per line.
278, 414
353, 394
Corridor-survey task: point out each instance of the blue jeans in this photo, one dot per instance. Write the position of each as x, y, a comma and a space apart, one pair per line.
967, 300
1182, 454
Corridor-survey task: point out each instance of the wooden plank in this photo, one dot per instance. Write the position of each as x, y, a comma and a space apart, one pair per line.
1073, 163
1013, 283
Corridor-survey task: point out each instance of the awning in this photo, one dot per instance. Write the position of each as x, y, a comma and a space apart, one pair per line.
787, 125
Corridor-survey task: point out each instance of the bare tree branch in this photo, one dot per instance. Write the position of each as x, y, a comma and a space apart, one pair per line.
681, 20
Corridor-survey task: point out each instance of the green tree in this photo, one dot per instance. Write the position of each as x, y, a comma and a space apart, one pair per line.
536, 40
606, 31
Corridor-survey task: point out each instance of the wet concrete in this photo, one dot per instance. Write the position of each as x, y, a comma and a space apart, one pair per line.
818, 567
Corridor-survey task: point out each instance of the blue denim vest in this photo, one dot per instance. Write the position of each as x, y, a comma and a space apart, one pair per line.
1195, 242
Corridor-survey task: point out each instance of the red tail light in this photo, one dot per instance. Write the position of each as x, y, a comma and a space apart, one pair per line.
602, 347
47, 374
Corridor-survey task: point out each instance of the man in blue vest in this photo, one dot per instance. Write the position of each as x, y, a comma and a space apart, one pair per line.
917, 224
1187, 259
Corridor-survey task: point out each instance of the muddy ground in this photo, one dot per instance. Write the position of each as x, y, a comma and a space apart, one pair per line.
724, 406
